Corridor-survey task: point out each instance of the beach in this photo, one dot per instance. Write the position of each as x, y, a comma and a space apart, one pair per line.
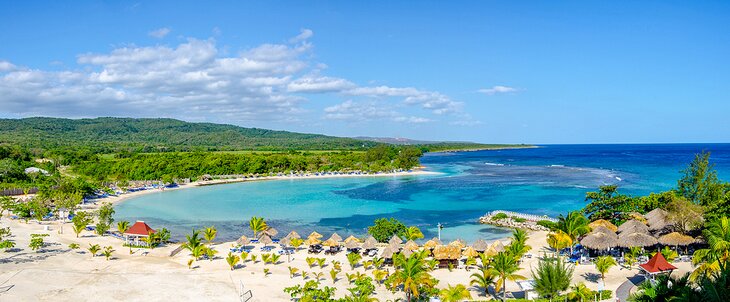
59, 273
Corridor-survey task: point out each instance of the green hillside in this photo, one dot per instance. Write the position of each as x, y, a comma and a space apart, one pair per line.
111, 135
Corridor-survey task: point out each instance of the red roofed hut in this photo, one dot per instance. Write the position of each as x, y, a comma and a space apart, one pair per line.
657, 265
137, 231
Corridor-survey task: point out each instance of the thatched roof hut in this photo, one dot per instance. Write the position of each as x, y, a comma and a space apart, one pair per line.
604, 223
636, 239
480, 245
458, 243
447, 252
599, 241
470, 252
411, 245
431, 244
675, 239
633, 226
658, 212
603, 229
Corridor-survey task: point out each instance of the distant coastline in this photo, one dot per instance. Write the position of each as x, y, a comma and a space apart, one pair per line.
490, 148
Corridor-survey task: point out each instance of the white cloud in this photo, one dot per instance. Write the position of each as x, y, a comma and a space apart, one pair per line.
498, 89
198, 80
159, 33
304, 35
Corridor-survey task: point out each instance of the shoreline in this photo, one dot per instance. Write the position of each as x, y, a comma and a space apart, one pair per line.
114, 200
487, 149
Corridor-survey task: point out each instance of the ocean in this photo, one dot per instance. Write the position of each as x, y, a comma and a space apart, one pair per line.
549, 180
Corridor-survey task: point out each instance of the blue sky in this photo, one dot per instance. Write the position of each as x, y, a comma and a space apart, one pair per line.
487, 71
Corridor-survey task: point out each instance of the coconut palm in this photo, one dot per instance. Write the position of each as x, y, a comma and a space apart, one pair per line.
412, 274
603, 264
209, 234
580, 292
192, 242
93, 249
552, 276
505, 267
664, 288
232, 260
718, 238
292, 272
483, 278
333, 275
122, 226
379, 276
257, 224
454, 293
353, 259
108, 252
574, 224
413, 233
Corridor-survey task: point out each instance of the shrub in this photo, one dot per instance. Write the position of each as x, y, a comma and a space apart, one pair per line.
548, 224
499, 216
518, 219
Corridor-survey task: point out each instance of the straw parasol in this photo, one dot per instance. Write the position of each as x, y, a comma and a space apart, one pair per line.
599, 241
293, 234
330, 242
395, 240
411, 245
285, 241
407, 253
369, 244
336, 237
265, 239
271, 232
387, 253
470, 252
458, 243
446, 252
675, 239
659, 221
604, 223
312, 241
243, 240
431, 244
498, 246
633, 226
352, 244
636, 239
315, 235
603, 229
352, 239
371, 239
658, 212
480, 245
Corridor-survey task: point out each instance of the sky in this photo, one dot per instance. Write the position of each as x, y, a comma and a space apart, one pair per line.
539, 72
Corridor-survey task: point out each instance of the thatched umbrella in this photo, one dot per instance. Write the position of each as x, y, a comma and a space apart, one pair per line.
480, 245
371, 239
633, 226
271, 232
351, 244
336, 237
351, 239
603, 229
676, 239
285, 241
470, 252
458, 243
312, 241
265, 239
498, 246
395, 246
411, 245
243, 240
293, 234
395, 240
369, 244
431, 244
315, 235
330, 242
636, 239
658, 212
446, 252
599, 241
387, 253
604, 223
407, 253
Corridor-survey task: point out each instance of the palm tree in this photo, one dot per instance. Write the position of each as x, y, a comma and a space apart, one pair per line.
580, 293
552, 276
412, 274
232, 260
505, 267
603, 264
108, 252
558, 241
483, 278
413, 233
519, 235
454, 293
192, 242
93, 249
257, 224
122, 226
718, 238
353, 259
664, 288
575, 225
209, 234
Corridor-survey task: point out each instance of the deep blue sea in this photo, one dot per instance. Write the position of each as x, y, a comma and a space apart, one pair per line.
549, 180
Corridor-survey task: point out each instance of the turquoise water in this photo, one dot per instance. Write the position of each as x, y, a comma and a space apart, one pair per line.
548, 180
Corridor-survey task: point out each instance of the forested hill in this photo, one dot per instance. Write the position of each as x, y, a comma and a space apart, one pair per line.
108, 135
